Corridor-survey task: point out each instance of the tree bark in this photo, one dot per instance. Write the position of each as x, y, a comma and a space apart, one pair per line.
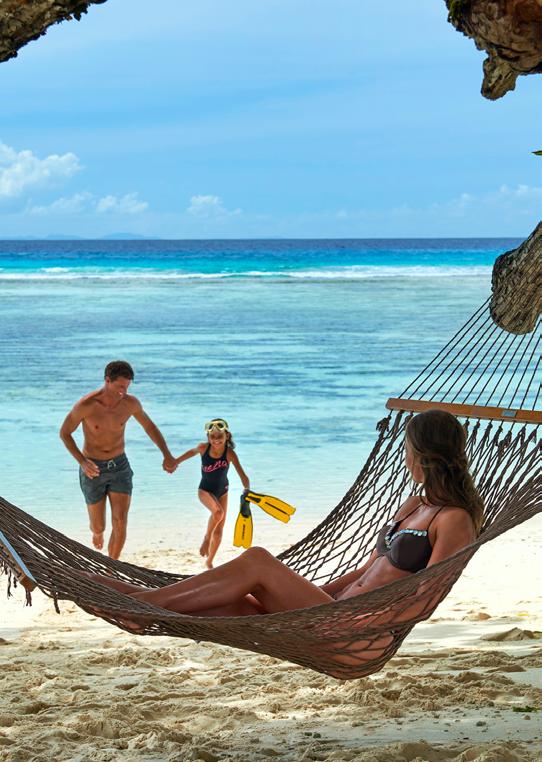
516, 302
510, 31
22, 21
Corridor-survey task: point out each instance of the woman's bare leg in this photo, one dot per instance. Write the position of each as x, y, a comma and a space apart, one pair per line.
116, 584
247, 607
213, 505
256, 572
216, 534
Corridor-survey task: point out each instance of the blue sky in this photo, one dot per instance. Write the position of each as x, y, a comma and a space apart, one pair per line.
290, 118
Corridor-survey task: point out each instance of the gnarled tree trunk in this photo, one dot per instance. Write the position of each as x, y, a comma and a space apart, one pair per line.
22, 21
516, 302
510, 31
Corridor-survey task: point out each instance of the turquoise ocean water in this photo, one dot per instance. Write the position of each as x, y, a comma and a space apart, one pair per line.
297, 343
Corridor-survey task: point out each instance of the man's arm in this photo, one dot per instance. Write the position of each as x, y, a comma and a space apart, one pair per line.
169, 463
71, 422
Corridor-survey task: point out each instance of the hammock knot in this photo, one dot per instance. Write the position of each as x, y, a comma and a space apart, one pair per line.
505, 443
383, 424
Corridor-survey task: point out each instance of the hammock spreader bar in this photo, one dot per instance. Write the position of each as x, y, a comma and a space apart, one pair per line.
479, 412
9, 556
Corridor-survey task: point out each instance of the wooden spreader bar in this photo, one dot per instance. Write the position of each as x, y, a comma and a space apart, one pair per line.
9, 555
467, 411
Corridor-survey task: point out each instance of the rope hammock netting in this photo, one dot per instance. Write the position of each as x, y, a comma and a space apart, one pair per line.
489, 378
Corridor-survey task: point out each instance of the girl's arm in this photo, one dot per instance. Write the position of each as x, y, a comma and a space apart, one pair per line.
197, 450
232, 456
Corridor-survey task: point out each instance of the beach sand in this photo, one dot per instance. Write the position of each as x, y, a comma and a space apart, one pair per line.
463, 686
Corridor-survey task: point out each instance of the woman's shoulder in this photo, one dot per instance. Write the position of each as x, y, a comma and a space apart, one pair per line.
454, 518
453, 513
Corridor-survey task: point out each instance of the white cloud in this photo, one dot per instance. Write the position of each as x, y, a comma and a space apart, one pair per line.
481, 213
80, 202
128, 204
22, 170
505, 199
209, 207
85, 202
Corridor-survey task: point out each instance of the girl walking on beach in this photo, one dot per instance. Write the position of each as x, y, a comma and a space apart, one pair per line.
216, 455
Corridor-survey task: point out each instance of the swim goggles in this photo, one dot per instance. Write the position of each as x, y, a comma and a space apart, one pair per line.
218, 424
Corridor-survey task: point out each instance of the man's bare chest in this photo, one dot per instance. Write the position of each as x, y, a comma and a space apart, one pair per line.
103, 419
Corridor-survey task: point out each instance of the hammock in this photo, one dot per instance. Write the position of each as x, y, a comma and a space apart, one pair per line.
484, 375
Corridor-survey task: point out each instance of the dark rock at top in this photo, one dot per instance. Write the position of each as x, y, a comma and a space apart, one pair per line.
510, 31
21, 22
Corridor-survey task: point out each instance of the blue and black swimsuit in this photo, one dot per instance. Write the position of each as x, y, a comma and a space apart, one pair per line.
214, 473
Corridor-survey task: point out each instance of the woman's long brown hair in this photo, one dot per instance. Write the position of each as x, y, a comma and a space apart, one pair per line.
438, 443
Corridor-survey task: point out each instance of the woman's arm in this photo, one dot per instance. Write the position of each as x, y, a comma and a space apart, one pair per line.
197, 450
232, 457
453, 531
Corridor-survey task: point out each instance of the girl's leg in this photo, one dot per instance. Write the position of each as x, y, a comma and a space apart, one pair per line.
213, 505
216, 534
256, 572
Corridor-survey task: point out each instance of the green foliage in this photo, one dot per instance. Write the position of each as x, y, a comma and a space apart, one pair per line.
524, 709
537, 153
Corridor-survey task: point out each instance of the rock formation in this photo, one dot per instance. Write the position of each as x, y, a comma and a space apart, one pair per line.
516, 302
22, 21
510, 31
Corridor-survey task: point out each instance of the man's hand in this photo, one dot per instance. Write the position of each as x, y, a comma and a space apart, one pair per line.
169, 464
90, 468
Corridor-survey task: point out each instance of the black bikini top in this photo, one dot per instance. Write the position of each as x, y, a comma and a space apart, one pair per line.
406, 549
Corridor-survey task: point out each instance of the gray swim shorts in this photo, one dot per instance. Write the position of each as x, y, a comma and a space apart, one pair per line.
115, 476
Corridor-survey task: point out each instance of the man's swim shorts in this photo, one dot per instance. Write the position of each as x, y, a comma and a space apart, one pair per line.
115, 476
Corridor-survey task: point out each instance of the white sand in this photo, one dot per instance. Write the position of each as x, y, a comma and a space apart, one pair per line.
75, 688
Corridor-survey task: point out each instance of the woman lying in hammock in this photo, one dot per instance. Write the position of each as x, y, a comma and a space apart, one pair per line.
425, 530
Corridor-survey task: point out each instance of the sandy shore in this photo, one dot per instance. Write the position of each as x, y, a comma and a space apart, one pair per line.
462, 688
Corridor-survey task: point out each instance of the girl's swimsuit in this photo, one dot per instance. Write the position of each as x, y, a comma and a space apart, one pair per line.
406, 549
214, 473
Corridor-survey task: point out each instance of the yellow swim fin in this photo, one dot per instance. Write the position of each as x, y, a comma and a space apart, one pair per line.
242, 536
273, 506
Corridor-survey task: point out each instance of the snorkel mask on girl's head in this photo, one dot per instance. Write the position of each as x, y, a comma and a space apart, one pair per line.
217, 424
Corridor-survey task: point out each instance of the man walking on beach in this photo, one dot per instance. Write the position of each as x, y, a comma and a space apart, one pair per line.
104, 470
